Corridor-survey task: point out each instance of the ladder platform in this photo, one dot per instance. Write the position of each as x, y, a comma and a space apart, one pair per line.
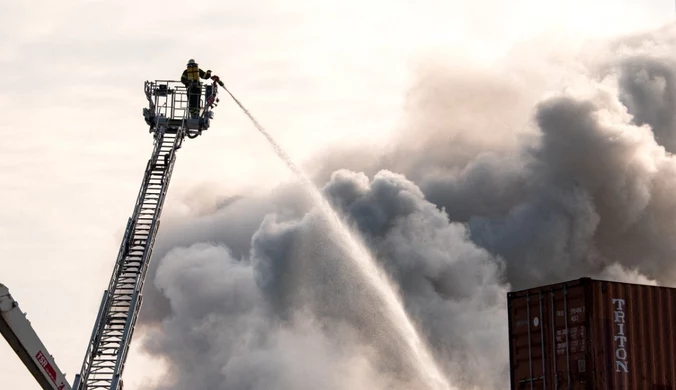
170, 107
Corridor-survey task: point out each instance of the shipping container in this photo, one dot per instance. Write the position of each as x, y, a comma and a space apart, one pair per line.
592, 335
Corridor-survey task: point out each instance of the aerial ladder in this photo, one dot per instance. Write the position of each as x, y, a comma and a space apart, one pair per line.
170, 121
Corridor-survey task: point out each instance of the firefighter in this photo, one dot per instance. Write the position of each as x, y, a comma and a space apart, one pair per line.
191, 79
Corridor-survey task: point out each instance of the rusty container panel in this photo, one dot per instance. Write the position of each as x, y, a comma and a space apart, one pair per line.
592, 335
549, 349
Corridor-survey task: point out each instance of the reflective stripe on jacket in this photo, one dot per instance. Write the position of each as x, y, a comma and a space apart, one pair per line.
192, 74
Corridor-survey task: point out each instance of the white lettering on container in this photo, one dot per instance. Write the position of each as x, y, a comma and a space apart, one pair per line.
620, 339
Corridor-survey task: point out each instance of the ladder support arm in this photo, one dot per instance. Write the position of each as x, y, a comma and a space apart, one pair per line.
19, 333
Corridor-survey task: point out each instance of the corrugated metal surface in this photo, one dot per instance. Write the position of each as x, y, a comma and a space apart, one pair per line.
593, 335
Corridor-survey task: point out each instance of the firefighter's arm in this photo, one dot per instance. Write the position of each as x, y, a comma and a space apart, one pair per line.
184, 78
205, 75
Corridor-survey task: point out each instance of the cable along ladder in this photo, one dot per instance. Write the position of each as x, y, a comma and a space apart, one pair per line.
169, 121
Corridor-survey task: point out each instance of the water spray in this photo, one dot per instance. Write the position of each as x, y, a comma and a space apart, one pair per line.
357, 251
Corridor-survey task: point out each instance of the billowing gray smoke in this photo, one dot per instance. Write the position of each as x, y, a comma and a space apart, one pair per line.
498, 185
294, 314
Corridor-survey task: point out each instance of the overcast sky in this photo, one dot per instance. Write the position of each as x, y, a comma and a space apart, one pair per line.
73, 144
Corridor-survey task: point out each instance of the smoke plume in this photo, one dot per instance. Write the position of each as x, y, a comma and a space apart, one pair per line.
501, 179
